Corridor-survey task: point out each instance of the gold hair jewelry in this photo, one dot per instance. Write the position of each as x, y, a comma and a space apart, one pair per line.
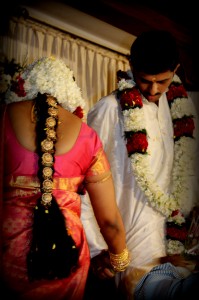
50, 122
47, 160
47, 147
51, 134
47, 185
47, 172
46, 198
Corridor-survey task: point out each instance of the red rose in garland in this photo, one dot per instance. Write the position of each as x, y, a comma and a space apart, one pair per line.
176, 91
183, 127
176, 232
137, 142
130, 98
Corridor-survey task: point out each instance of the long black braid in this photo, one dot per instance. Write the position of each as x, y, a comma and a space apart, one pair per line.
53, 253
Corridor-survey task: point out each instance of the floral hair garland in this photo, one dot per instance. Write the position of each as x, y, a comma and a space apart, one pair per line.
171, 205
8, 68
51, 76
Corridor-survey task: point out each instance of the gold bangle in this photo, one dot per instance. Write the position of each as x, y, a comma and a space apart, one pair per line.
120, 261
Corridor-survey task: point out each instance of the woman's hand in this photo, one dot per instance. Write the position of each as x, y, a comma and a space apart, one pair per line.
101, 266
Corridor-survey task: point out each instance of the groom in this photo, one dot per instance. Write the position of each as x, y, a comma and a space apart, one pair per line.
149, 127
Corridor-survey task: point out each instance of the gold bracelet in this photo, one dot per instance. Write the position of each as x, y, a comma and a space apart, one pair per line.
120, 261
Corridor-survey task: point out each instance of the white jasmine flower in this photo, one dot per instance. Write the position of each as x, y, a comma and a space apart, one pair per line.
51, 76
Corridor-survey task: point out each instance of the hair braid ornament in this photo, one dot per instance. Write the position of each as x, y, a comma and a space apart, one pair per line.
53, 253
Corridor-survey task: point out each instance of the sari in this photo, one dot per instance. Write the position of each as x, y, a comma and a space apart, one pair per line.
21, 190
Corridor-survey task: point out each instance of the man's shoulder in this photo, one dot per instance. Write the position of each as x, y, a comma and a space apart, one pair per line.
106, 107
109, 100
112, 95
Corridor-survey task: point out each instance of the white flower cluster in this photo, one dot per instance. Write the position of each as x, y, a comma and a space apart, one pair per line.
181, 107
183, 171
4, 82
50, 75
177, 79
174, 247
125, 84
133, 119
162, 202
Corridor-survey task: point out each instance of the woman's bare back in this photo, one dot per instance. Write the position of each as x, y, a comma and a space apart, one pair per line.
21, 115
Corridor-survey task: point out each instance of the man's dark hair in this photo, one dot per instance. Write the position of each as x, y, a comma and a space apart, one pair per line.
154, 52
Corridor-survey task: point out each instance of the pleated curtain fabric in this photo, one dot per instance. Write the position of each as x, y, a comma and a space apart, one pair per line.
94, 67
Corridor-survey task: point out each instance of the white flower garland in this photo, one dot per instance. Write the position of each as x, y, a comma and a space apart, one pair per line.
174, 247
183, 160
51, 76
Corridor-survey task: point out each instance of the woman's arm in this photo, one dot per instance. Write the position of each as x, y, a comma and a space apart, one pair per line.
102, 197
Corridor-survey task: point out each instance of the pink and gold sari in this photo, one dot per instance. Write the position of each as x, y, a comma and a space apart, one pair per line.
20, 193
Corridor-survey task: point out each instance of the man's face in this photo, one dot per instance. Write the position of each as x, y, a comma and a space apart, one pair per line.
153, 86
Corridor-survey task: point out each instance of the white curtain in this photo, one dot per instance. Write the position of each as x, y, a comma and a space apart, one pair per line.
94, 67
